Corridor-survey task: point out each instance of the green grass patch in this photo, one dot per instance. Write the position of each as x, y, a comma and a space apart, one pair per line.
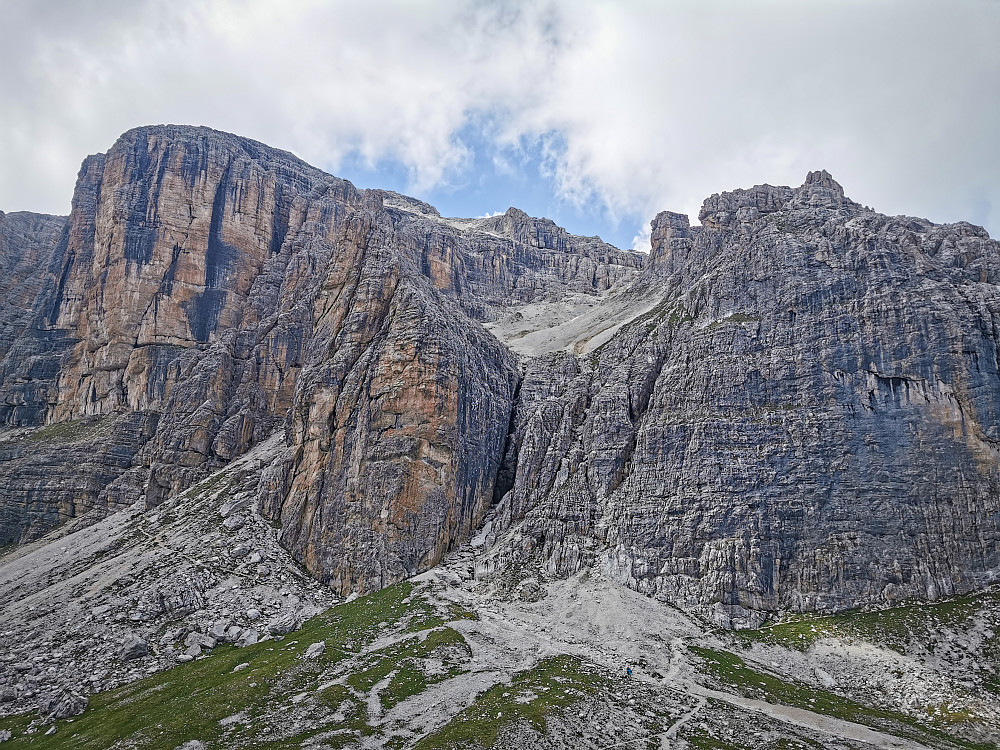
74, 430
699, 738
458, 612
188, 701
898, 628
733, 671
404, 662
551, 685
669, 313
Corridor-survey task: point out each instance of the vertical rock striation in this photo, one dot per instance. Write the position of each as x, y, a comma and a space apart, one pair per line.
399, 419
808, 419
31, 249
794, 405
207, 290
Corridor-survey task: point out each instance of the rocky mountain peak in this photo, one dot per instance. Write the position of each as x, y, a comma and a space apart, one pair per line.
822, 178
227, 366
669, 231
204, 142
727, 210
429, 373
537, 232
820, 190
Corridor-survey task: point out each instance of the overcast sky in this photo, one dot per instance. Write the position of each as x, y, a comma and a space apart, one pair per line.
596, 114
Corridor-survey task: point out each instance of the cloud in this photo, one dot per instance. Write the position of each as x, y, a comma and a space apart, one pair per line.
630, 106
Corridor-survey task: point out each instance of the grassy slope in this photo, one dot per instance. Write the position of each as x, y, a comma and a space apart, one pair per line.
553, 684
899, 628
734, 673
189, 701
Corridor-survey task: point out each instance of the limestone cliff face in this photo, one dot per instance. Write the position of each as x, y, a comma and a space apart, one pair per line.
181, 229
211, 290
399, 419
794, 405
808, 419
31, 246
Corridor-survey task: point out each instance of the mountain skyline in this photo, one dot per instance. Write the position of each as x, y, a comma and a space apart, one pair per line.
595, 115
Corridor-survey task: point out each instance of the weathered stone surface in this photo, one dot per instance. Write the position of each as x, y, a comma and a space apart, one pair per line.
807, 420
199, 639
795, 405
222, 288
282, 624
134, 647
315, 650
31, 249
399, 420
62, 471
62, 706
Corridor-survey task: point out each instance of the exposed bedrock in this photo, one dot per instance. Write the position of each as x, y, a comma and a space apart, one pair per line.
399, 419
808, 419
31, 249
220, 290
794, 405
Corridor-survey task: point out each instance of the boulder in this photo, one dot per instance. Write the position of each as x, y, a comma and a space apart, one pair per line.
134, 647
195, 638
282, 624
315, 650
62, 705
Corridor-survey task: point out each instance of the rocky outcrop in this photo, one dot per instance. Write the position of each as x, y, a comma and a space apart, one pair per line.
399, 418
31, 248
808, 419
60, 472
213, 290
794, 405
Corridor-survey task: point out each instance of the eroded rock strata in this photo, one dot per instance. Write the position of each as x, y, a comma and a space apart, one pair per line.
223, 290
794, 405
807, 420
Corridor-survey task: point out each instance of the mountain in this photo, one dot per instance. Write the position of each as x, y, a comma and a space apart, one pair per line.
234, 387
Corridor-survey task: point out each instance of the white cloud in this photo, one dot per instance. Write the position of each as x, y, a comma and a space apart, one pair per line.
640, 106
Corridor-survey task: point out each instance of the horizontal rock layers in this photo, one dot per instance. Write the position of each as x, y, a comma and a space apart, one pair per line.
794, 405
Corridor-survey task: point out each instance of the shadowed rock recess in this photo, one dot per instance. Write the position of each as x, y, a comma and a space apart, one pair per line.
795, 405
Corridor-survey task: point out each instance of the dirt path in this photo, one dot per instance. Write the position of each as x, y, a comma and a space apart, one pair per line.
810, 720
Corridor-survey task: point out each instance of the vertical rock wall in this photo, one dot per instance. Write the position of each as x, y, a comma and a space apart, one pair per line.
807, 420
212, 290
803, 410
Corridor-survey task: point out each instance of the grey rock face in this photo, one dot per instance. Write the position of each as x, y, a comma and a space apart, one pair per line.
808, 419
62, 706
62, 471
796, 404
134, 648
314, 651
262, 291
282, 624
31, 250
201, 640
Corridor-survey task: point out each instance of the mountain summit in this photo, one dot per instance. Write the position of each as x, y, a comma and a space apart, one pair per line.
235, 389
793, 406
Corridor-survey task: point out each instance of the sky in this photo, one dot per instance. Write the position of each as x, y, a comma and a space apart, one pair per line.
595, 114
